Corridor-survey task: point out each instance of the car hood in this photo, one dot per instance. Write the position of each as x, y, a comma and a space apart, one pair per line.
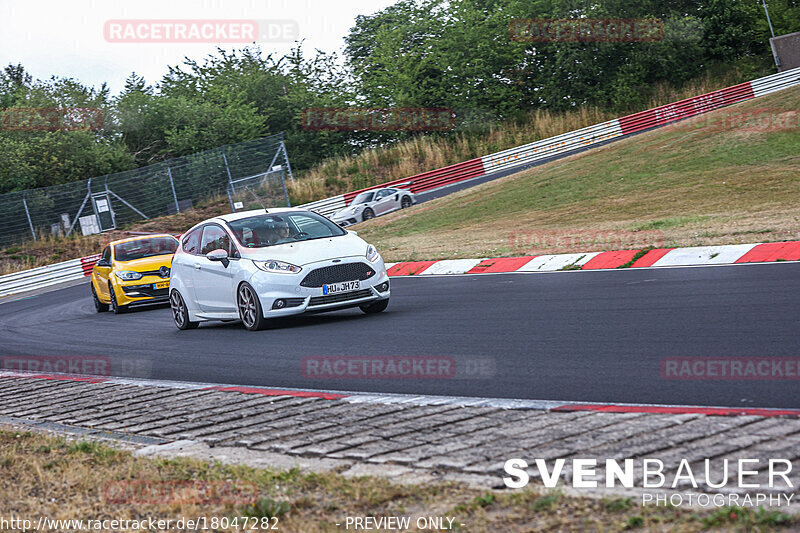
305, 252
144, 264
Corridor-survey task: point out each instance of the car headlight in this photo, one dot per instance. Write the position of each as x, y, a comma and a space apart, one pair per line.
372, 254
128, 275
278, 267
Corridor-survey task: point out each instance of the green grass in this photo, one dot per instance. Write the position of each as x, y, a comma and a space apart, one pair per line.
681, 181
671, 222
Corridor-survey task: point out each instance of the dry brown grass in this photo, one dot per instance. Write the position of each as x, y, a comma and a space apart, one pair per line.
424, 153
60, 479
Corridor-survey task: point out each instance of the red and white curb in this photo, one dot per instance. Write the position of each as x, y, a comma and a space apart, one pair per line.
78, 269
417, 400
659, 257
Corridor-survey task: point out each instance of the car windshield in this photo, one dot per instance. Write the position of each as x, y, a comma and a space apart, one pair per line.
148, 247
363, 198
282, 228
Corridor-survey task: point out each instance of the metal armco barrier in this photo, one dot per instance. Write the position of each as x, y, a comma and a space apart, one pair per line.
567, 143
46, 276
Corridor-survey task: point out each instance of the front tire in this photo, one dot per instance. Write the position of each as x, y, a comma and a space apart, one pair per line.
118, 309
180, 313
368, 214
250, 308
99, 306
377, 307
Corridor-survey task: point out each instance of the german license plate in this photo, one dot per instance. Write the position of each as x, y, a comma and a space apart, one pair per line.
344, 286
161, 285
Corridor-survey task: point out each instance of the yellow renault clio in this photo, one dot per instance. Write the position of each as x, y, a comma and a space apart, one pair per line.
133, 271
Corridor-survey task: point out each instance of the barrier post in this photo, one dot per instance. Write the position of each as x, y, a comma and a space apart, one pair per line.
28, 214
229, 188
174, 196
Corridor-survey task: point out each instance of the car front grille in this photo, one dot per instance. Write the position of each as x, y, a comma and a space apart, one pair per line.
338, 273
141, 291
154, 273
341, 297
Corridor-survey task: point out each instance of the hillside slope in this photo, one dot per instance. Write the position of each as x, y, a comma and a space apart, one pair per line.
726, 177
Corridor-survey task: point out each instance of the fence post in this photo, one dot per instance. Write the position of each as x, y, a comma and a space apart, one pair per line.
230, 179
286, 158
28, 214
174, 196
83, 204
110, 208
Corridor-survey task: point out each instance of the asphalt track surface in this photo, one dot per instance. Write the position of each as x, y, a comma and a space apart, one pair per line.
596, 336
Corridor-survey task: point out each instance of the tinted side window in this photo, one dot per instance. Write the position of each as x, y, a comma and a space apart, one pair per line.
214, 238
107, 253
191, 241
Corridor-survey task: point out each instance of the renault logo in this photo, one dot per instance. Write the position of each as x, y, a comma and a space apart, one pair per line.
163, 272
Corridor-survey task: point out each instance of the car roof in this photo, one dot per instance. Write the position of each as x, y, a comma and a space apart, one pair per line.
140, 237
246, 214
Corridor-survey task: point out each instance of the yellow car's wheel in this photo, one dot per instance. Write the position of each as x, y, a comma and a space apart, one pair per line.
118, 309
98, 305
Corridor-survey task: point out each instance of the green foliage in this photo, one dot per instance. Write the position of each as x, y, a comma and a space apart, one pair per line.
267, 508
545, 502
414, 53
484, 501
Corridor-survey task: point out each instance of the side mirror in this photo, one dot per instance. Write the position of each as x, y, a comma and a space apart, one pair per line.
219, 255
352, 231
103, 263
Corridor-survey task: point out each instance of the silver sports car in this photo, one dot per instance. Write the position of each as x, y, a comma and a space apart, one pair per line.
374, 203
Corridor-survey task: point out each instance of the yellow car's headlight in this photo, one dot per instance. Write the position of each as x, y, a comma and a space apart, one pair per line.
128, 275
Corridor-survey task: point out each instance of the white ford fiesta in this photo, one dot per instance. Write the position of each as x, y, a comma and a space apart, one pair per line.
260, 264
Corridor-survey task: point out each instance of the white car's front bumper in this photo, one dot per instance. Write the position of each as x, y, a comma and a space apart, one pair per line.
297, 299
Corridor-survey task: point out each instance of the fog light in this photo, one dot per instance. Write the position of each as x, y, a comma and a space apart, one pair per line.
279, 304
383, 287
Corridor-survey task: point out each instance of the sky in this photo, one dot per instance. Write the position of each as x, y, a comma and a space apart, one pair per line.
66, 37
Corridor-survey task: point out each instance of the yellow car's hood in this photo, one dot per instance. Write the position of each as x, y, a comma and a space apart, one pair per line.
145, 264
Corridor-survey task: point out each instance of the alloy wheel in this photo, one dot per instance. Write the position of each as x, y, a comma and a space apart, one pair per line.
176, 302
247, 306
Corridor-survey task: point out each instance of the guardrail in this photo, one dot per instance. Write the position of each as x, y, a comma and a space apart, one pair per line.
46, 276
525, 155
571, 142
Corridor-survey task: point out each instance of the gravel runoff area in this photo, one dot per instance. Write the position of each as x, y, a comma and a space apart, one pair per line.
405, 441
